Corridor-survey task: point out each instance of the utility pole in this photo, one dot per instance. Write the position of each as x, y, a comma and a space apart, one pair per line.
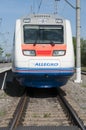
78, 46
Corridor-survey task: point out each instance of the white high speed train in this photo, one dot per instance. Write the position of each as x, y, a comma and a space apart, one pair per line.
43, 54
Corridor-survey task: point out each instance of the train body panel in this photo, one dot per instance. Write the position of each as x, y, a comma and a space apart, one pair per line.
43, 53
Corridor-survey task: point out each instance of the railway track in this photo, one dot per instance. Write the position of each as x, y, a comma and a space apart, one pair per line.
41, 111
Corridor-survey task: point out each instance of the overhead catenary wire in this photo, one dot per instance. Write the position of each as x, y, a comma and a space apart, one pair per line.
70, 4
39, 6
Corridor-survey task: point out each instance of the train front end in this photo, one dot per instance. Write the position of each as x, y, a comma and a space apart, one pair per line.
43, 54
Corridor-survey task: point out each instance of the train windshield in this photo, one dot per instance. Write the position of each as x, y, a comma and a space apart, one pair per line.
43, 34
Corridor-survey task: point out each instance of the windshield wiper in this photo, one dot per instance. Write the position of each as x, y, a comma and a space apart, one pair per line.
35, 41
52, 43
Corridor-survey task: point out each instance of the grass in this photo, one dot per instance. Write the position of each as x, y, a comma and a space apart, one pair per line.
3, 95
46, 115
35, 116
83, 85
2, 113
83, 68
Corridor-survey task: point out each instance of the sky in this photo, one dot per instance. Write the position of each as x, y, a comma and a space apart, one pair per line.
10, 10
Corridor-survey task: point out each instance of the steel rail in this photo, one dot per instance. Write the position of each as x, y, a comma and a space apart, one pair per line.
72, 112
18, 112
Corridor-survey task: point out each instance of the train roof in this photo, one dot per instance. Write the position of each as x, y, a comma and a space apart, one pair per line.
42, 18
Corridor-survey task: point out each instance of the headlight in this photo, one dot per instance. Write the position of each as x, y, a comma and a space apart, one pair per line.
59, 20
29, 52
59, 52
27, 20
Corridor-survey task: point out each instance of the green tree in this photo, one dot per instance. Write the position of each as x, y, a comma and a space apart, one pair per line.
83, 50
8, 55
1, 51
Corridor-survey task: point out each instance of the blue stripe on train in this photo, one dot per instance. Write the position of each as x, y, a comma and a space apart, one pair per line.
43, 78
